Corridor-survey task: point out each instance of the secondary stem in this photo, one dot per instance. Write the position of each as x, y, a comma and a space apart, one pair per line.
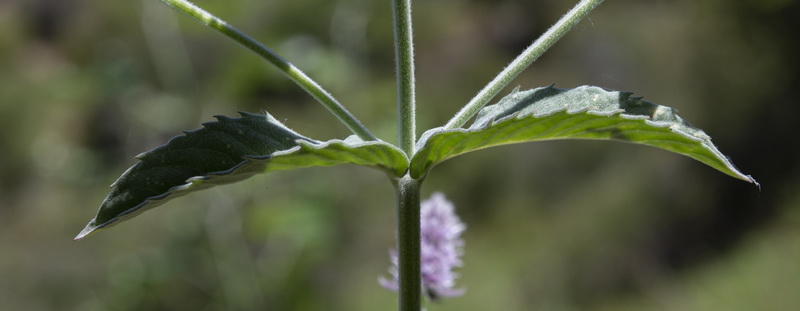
295, 74
525, 59
408, 243
404, 61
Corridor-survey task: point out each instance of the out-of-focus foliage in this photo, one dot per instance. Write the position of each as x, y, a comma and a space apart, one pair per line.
85, 85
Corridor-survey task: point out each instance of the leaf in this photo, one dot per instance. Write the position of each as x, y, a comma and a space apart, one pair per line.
352, 150
227, 151
586, 112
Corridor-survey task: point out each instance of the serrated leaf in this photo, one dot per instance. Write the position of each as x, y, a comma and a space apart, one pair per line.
227, 151
586, 112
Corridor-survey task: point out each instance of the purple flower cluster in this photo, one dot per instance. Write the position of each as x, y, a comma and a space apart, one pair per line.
440, 247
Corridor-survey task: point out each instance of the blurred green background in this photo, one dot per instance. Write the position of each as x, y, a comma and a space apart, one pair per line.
85, 85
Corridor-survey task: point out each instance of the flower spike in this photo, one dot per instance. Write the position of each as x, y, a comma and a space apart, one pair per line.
441, 249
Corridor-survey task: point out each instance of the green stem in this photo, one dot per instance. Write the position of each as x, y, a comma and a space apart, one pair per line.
408, 189
525, 59
295, 74
404, 61
408, 243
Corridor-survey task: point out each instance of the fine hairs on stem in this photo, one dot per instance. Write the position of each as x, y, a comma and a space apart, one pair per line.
404, 61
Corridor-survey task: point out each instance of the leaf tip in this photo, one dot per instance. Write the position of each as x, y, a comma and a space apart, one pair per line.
753, 181
88, 230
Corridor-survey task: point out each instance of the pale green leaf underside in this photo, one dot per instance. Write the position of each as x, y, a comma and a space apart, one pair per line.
585, 112
352, 150
227, 151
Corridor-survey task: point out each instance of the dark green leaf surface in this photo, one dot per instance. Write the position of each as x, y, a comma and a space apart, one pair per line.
585, 112
227, 151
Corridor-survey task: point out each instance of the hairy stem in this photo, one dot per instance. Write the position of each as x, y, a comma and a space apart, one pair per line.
404, 61
295, 74
525, 59
408, 243
408, 189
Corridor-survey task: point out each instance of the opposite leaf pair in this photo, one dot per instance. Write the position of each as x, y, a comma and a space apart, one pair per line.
233, 149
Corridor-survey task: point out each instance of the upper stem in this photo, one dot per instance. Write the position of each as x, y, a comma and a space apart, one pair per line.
404, 61
295, 74
525, 59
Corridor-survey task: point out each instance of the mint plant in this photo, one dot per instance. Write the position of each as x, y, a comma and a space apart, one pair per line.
230, 149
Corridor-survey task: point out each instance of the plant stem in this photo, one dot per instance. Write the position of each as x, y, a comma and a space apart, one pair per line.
295, 74
404, 61
408, 189
408, 243
525, 59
